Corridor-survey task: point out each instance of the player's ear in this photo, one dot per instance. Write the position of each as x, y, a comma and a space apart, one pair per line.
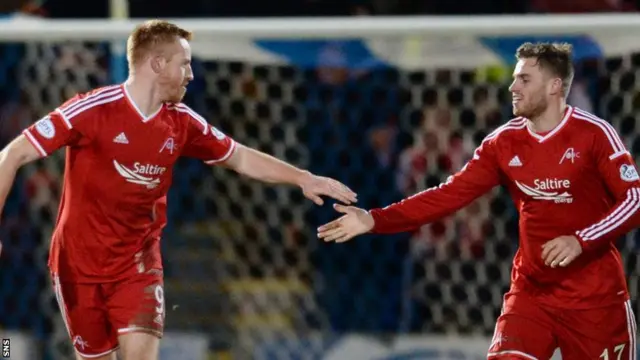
555, 86
157, 63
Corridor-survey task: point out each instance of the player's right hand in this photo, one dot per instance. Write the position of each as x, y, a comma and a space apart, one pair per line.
314, 187
354, 222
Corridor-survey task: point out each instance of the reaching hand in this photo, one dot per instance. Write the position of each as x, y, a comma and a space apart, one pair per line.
313, 187
561, 251
355, 222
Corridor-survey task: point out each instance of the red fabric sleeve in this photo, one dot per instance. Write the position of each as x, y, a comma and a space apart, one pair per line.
204, 141
50, 134
619, 172
477, 177
71, 123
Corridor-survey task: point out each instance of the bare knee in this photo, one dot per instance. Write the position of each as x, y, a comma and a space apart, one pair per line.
139, 346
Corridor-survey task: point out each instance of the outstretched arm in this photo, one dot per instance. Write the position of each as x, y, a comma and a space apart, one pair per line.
212, 146
260, 166
477, 177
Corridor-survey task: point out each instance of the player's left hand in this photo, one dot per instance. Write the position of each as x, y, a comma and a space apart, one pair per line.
313, 187
561, 251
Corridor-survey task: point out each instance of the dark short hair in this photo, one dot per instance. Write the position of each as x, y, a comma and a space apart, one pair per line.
553, 57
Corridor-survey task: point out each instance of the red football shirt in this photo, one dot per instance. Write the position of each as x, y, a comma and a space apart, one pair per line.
118, 171
577, 179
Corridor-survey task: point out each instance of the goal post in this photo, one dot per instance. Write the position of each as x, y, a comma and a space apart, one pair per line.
118, 10
388, 105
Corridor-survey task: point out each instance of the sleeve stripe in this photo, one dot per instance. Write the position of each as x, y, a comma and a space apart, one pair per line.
515, 124
112, 90
232, 148
185, 109
625, 210
32, 139
616, 144
604, 222
630, 202
618, 154
64, 118
98, 101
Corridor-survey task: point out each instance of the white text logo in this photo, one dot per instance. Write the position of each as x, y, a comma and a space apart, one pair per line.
169, 145
135, 175
548, 189
570, 155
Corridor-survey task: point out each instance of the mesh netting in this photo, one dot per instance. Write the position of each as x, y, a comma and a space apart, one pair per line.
242, 262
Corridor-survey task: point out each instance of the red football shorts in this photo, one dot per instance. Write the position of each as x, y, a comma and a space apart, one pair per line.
527, 330
95, 314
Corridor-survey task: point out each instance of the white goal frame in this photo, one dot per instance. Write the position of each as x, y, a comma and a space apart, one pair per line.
27, 28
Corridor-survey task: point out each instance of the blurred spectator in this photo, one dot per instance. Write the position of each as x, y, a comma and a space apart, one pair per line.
382, 140
15, 115
42, 189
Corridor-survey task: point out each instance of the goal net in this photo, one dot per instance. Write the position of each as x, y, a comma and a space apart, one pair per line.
389, 106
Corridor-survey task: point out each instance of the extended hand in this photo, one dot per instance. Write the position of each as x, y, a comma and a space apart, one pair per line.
561, 251
313, 187
356, 221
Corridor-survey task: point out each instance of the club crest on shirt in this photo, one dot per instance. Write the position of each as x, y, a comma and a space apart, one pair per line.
570, 155
169, 145
628, 173
45, 128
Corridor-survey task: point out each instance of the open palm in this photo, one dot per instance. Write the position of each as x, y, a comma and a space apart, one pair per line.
354, 222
